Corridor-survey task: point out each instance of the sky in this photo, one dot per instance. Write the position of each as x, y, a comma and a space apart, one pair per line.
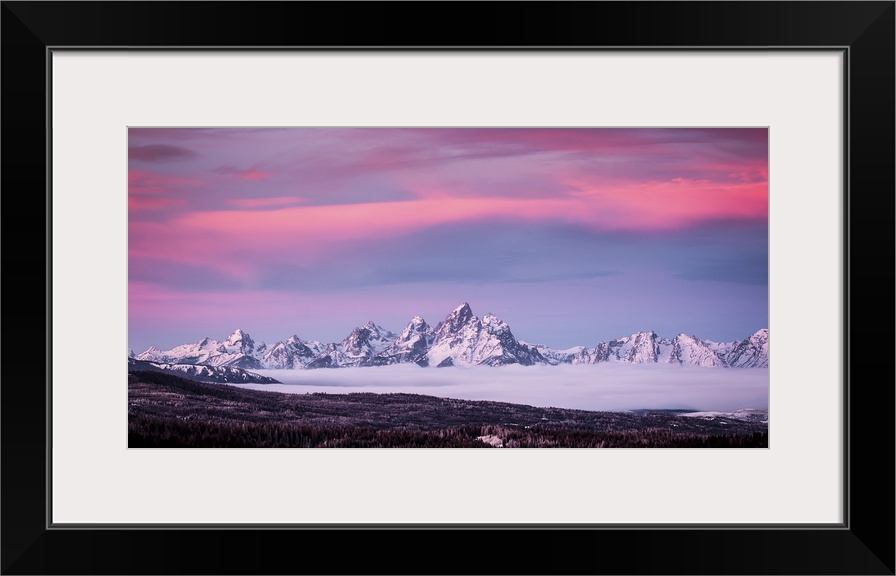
572, 236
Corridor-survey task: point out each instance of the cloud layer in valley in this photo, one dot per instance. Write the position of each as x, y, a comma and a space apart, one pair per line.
611, 387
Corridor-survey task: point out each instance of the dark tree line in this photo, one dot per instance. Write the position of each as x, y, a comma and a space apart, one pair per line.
154, 432
516, 437
158, 432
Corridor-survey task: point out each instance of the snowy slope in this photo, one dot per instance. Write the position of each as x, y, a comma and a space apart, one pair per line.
567, 356
221, 374
360, 348
411, 345
292, 354
750, 353
238, 351
687, 349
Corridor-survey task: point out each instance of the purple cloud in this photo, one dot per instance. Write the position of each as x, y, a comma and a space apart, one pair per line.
160, 153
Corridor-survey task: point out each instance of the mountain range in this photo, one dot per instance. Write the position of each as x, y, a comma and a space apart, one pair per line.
461, 339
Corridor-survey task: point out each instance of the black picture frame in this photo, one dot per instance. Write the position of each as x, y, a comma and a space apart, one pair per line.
864, 544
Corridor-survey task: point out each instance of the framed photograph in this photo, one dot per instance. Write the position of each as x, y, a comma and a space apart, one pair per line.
306, 230
785, 99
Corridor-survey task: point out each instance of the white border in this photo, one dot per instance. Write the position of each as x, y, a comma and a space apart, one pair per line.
97, 95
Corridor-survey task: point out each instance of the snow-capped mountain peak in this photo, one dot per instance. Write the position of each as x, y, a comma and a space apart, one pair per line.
416, 327
751, 352
411, 345
368, 339
292, 354
460, 315
688, 349
462, 339
150, 354
639, 348
760, 337
241, 340
462, 309
493, 324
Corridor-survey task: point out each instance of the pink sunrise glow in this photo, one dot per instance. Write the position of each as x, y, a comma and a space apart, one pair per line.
227, 224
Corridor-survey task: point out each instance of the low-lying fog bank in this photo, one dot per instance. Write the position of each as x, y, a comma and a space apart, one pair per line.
586, 387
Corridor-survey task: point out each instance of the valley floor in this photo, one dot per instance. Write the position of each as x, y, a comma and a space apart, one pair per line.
168, 411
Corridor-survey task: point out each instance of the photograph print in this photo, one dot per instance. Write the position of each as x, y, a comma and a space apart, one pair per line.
448, 287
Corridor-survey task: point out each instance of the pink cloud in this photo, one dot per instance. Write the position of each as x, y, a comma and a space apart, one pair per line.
676, 203
140, 204
691, 181
151, 242
750, 174
240, 244
273, 202
544, 139
159, 153
250, 175
143, 181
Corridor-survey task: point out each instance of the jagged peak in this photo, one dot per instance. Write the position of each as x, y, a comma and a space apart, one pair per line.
683, 336
493, 322
462, 310
637, 336
237, 335
416, 323
461, 315
372, 327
